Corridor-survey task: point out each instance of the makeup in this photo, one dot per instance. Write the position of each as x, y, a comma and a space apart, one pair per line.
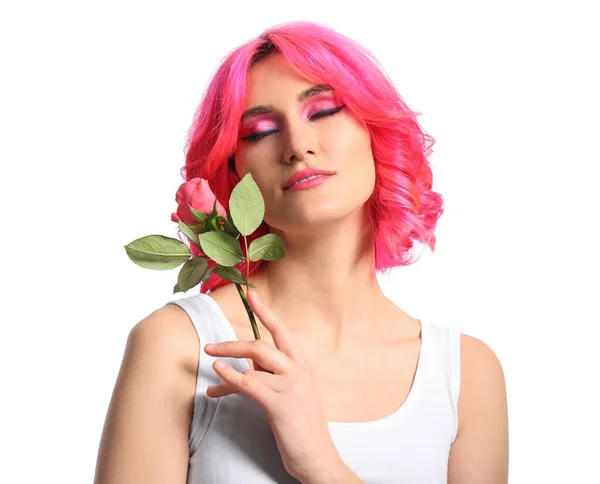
304, 185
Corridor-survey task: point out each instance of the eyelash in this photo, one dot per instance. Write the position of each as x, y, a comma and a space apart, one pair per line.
317, 115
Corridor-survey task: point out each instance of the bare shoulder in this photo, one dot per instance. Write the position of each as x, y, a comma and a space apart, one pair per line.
146, 430
480, 369
475, 351
167, 337
480, 452
170, 327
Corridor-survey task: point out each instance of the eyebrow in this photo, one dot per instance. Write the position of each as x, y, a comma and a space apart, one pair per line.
303, 96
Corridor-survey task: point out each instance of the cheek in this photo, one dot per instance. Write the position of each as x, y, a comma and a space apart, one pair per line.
358, 158
250, 160
349, 137
353, 148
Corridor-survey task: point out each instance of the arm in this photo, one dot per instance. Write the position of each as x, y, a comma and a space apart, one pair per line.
146, 431
479, 454
339, 473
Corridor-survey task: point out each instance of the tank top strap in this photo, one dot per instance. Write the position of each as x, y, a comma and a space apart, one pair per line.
210, 328
453, 337
444, 367
207, 322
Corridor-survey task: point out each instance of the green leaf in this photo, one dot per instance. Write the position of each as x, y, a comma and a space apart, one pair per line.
197, 227
222, 248
230, 274
247, 205
188, 232
267, 247
176, 289
207, 275
157, 252
192, 273
198, 216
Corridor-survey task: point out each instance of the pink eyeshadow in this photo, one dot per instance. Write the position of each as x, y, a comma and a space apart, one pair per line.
265, 123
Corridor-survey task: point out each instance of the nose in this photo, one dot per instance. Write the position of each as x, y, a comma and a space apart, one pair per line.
300, 141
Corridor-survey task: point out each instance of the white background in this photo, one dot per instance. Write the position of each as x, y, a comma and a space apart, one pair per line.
96, 99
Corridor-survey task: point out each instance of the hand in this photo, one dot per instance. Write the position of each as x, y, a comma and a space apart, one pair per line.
289, 396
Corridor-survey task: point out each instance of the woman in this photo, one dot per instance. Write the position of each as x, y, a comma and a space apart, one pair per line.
360, 391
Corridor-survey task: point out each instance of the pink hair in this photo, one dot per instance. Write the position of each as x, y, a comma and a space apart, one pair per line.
403, 208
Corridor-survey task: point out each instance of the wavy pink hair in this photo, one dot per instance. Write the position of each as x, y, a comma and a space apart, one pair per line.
403, 208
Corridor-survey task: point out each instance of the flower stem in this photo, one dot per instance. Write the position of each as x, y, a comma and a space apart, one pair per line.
251, 316
247, 265
243, 296
245, 301
248, 310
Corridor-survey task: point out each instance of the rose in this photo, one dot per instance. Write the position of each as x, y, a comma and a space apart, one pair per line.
214, 235
197, 193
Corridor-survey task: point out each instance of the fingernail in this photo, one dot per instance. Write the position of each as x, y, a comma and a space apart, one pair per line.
209, 346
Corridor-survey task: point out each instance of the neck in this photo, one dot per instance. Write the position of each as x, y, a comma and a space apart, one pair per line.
326, 287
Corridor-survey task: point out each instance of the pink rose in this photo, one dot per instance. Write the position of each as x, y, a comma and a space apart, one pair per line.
198, 194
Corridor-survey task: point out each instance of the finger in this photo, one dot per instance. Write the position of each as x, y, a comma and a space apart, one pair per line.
257, 367
260, 351
282, 336
274, 382
221, 390
247, 384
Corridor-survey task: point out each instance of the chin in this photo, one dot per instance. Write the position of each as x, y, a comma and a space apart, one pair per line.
310, 216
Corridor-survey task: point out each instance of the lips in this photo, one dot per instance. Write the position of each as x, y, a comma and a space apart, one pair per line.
307, 179
300, 175
310, 183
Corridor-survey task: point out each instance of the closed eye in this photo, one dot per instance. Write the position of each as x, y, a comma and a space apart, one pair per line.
317, 115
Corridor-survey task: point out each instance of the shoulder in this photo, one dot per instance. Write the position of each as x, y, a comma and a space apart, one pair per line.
168, 334
482, 375
481, 445
151, 407
476, 350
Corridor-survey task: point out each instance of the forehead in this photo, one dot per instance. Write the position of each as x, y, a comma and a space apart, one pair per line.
272, 77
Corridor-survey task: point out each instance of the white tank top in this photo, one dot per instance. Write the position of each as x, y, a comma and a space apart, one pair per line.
231, 440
